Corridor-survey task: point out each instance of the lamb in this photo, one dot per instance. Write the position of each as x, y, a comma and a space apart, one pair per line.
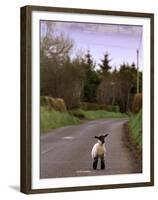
99, 151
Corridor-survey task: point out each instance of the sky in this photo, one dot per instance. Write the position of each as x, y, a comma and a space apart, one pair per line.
120, 41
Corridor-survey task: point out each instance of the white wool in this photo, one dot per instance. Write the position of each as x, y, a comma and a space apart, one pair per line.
98, 150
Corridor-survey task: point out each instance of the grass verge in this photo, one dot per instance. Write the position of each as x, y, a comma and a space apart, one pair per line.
135, 126
97, 114
55, 119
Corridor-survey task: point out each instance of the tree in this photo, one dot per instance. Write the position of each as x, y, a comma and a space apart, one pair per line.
91, 81
54, 52
104, 94
127, 79
61, 76
71, 83
119, 87
105, 66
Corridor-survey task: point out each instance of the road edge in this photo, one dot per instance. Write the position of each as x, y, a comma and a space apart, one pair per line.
135, 152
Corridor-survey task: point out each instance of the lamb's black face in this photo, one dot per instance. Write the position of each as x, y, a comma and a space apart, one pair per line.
101, 138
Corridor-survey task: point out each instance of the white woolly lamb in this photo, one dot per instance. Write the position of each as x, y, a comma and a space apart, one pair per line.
99, 151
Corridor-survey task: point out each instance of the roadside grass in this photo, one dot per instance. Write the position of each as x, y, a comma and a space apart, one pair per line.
96, 114
55, 119
135, 126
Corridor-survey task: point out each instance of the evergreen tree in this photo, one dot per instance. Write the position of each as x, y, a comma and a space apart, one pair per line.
105, 67
92, 79
89, 60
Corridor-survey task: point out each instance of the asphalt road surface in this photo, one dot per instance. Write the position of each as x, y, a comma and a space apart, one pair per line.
66, 152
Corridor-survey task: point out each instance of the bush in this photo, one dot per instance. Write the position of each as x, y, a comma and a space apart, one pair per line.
95, 106
92, 106
53, 104
78, 113
44, 100
137, 103
113, 108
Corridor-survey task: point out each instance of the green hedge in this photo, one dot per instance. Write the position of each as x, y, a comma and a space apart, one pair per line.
95, 106
113, 108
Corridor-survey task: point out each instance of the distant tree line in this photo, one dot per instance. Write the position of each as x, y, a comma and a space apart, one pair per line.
79, 79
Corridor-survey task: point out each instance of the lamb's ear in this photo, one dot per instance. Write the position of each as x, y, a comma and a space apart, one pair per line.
96, 137
106, 135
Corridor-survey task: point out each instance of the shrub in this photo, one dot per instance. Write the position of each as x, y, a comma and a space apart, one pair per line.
92, 106
113, 108
53, 104
78, 113
137, 103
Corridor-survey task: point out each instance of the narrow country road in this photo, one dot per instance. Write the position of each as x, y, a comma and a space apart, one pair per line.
66, 152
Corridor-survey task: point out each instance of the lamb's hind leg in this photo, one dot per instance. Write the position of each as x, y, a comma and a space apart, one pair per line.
95, 163
102, 163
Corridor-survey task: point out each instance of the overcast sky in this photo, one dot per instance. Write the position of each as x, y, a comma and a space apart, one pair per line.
120, 41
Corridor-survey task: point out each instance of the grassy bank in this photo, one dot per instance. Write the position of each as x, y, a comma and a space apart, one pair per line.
96, 114
135, 126
55, 119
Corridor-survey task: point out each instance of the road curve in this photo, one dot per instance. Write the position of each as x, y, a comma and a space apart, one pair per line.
66, 152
